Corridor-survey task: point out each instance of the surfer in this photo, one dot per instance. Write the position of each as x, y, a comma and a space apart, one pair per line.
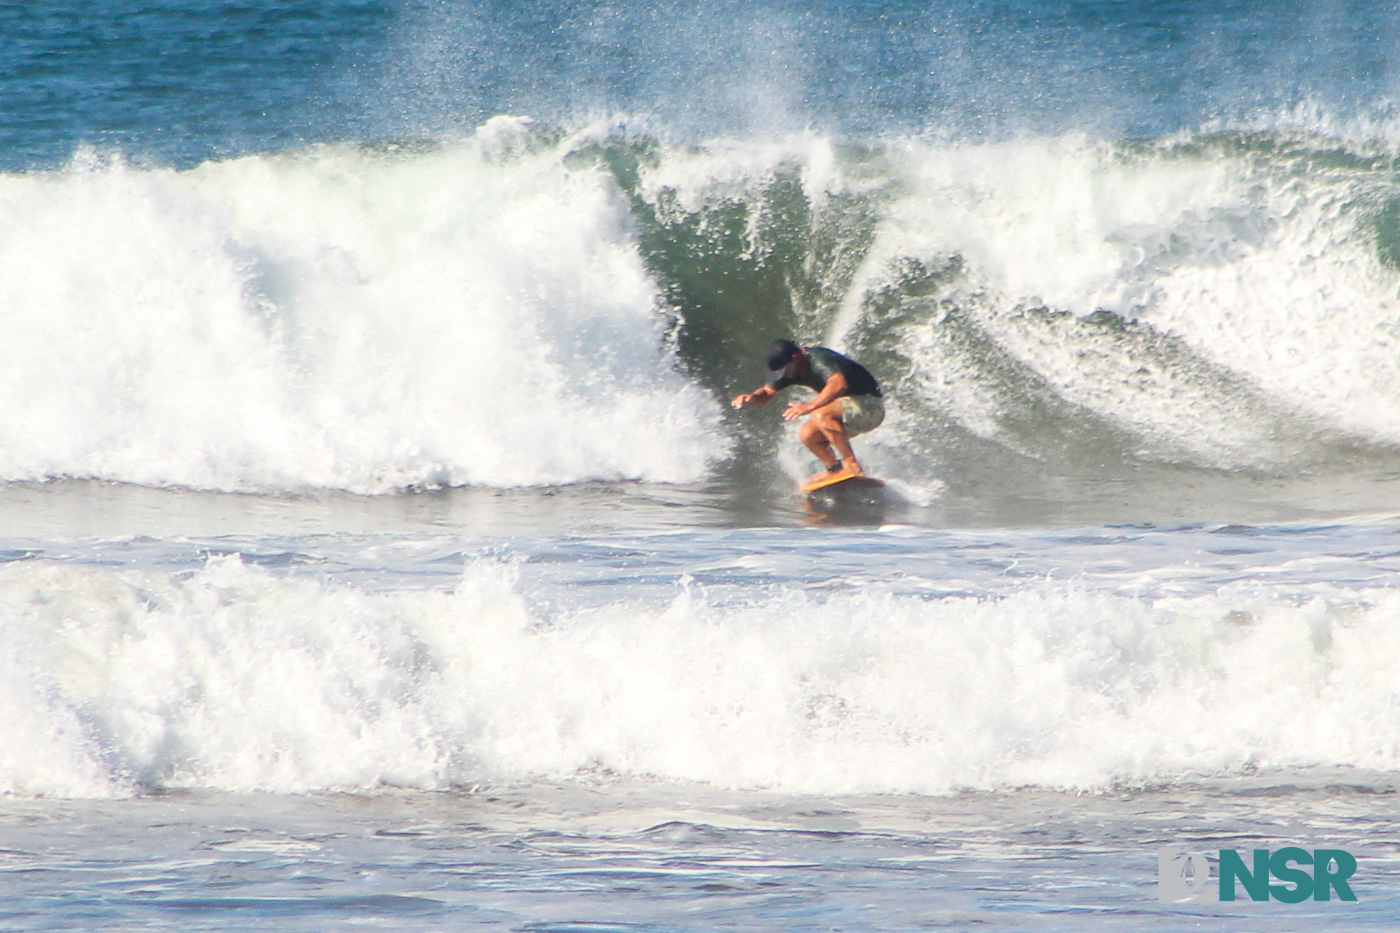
847, 404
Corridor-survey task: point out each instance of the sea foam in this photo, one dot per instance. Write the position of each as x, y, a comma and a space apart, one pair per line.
343, 317
237, 678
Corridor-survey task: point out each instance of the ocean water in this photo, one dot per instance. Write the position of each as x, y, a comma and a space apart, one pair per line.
378, 547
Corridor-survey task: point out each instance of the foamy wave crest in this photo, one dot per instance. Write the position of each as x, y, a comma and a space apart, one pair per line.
232, 677
475, 313
1225, 296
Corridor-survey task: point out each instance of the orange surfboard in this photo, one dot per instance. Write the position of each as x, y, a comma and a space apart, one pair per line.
823, 482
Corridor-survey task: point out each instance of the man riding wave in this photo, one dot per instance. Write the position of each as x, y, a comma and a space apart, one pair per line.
847, 404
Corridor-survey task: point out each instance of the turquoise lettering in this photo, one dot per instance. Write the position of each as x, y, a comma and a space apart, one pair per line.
1302, 881
1324, 880
1256, 883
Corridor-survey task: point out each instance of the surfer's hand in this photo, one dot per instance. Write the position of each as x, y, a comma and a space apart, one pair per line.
795, 410
759, 396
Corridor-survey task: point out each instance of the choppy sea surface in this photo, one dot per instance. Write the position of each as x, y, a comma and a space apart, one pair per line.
378, 547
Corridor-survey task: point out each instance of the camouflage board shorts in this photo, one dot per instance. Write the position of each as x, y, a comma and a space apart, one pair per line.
862, 413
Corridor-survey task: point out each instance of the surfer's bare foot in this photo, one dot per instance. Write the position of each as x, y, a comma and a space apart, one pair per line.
837, 472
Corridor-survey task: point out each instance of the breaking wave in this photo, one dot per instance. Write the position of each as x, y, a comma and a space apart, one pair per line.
529, 306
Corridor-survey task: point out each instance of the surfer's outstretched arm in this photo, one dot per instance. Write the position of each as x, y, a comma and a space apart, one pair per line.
759, 396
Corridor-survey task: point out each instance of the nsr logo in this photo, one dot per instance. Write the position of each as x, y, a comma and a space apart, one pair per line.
1184, 877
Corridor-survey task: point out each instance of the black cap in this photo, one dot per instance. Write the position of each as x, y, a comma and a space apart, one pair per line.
780, 353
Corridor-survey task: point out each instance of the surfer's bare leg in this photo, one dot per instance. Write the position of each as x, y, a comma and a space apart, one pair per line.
816, 442
825, 436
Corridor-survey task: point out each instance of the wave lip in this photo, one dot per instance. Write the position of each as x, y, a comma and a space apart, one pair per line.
234, 678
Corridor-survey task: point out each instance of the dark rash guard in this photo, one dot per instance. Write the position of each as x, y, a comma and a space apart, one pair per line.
823, 364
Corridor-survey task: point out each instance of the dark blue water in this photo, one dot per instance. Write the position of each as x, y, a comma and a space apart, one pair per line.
181, 82
176, 81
